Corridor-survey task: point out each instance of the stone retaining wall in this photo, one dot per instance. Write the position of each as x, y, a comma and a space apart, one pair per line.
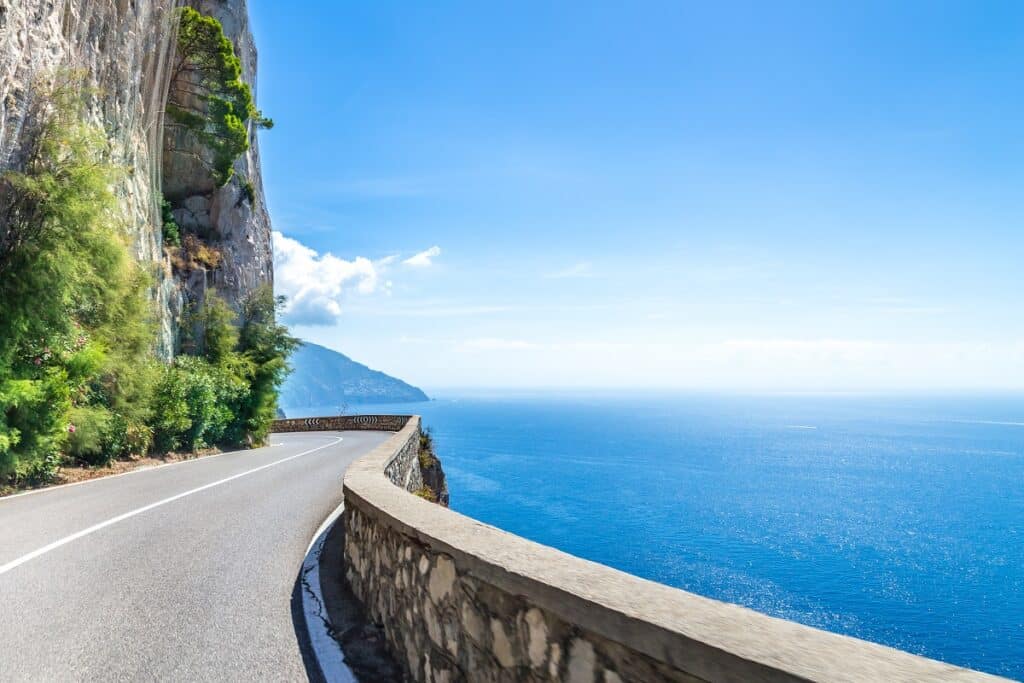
341, 423
463, 601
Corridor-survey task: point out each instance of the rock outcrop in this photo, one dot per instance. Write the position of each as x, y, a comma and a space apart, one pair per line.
233, 218
124, 49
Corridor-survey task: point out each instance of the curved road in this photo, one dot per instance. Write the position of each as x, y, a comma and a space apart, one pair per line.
182, 572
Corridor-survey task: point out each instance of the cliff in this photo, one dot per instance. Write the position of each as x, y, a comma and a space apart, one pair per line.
125, 50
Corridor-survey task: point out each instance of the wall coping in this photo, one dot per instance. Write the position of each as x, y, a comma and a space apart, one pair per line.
707, 638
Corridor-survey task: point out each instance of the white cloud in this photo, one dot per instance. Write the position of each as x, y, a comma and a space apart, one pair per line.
577, 270
424, 258
316, 283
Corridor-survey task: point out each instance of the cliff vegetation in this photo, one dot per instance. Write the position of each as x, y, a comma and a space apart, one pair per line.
208, 75
81, 379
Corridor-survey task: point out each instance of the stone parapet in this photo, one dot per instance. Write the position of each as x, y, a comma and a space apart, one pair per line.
460, 600
341, 423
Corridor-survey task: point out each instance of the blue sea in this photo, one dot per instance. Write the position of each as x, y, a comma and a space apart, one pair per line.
896, 520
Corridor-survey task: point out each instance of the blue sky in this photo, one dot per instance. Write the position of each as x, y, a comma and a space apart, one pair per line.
742, 196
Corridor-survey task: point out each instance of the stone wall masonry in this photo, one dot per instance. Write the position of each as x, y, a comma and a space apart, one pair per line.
459, 600
341, 423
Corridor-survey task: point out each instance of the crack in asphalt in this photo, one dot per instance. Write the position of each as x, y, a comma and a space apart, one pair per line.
320, 610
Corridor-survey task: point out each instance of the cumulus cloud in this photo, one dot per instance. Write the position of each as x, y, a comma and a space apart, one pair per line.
315, 283
424, 258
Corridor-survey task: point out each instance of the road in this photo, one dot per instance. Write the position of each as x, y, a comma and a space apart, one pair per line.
182, 572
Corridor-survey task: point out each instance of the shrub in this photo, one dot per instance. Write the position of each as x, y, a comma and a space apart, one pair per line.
200, 254
196, 404
220, 336
33, 419
171, 231
265, 345
89, 435
248, 192
172, 417
127, 438
41, 471
426, 451
73, 307
426, 493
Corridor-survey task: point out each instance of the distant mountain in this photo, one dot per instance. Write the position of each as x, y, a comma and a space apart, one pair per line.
322, 377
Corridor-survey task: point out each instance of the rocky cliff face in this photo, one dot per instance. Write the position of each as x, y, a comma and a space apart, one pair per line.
124, 48
228, 217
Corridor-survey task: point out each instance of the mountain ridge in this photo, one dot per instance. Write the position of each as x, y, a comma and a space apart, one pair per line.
322, 377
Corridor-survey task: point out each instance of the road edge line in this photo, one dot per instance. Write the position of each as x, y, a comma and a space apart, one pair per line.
326, 650
149, 468
28, 557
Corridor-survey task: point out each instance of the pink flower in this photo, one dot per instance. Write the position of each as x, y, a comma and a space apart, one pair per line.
38, 361
71, 428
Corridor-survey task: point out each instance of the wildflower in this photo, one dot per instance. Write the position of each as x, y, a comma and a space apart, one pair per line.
71, 428
38, 361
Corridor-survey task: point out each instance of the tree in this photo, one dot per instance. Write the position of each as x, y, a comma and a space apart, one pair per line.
267, 345
206, 68
74, 318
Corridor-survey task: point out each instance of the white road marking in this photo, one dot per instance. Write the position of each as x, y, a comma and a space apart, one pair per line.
326, 650
120, 518
134, 471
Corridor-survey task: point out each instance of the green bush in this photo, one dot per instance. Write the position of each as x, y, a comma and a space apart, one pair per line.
265, 345
125, 438
426, 451
171, 410
248, 191
41, 471
171, 231
78, 374
89, 435
74, 313
33, 419
196, 404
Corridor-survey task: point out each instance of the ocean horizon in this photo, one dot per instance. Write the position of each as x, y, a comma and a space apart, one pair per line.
893, 518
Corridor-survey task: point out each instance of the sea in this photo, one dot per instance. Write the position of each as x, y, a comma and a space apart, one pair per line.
896, 519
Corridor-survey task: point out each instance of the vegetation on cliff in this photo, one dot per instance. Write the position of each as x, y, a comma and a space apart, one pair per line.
208, 72
75, 327
435, 485
226, 391
79, 379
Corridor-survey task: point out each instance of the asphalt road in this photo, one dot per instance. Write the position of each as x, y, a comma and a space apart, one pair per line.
183, 572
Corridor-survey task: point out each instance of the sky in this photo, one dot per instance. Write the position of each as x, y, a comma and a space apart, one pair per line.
782, 196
